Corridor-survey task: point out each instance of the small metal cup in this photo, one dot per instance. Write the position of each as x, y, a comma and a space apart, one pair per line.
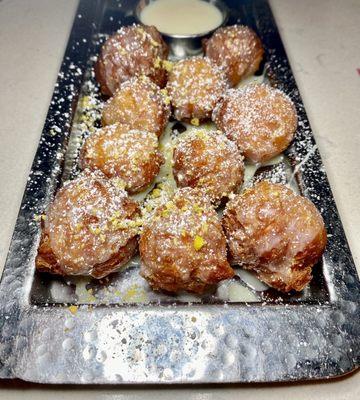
182, 46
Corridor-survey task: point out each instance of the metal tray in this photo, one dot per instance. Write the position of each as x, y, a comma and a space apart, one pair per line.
49, 335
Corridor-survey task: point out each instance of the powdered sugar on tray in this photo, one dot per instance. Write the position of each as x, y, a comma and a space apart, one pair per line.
57, 329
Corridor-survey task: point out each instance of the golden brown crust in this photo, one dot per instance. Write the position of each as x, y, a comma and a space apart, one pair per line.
208, 160
46, 260
139, 104
237, 49
183, 247
261, 120
132, 156
276, 233
133, 51
91, 228
195, 85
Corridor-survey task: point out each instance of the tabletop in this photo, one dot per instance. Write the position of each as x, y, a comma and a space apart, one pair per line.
322, 42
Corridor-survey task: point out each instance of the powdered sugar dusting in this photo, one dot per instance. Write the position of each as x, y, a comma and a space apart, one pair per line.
261, 120
163, 187
195, 85
133, 51
236, 49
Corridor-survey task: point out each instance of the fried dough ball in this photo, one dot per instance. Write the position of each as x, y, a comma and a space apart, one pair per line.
237, 49
133, 51
140, 104
275, 233
195, 86
261, 120
183, 247
208, 160
119, 152
90, 228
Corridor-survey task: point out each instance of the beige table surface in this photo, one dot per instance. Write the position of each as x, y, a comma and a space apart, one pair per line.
322, 39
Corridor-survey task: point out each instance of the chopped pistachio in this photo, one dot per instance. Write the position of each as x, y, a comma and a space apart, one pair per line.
94, 231
118, 182
195, 122
170, 205
198, 209
157, 62
73, 309
168, 65
154, 42
78, 227
165, 213
156, 193
198, 242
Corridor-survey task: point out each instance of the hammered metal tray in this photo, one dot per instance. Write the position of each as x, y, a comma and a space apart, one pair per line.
51, 332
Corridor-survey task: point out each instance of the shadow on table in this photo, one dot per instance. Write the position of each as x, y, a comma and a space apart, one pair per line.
17, 384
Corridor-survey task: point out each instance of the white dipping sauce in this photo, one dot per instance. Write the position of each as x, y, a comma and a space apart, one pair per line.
182, 17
